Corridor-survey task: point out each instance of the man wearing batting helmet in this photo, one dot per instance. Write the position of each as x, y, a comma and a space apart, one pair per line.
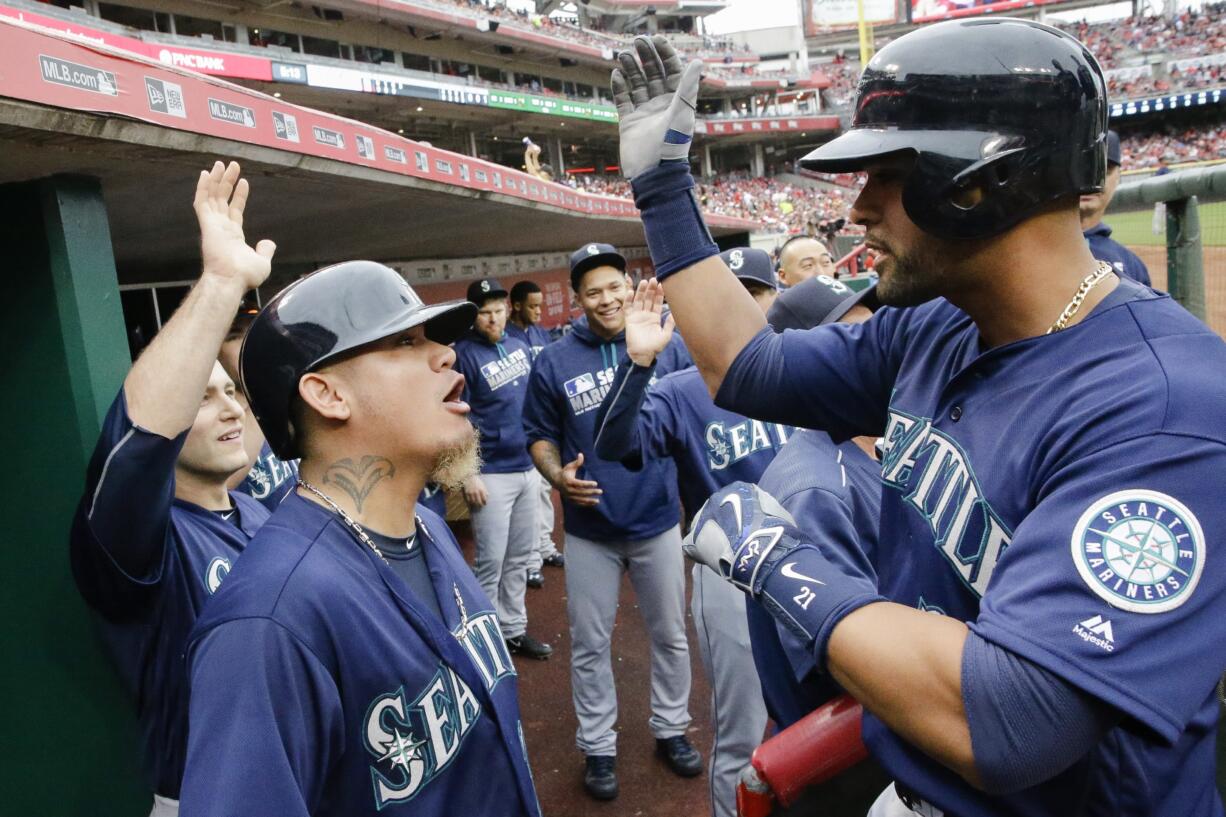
1052, 437
356, 665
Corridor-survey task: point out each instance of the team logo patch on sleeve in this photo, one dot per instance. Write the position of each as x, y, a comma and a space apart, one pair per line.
1141, 551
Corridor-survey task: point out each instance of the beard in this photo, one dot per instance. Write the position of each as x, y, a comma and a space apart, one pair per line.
458, 463
911, 279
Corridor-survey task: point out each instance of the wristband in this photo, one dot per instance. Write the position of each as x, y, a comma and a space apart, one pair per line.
809, 595
676, 234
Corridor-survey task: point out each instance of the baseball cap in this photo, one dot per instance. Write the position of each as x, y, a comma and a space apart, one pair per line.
815, 302
751, 266
590, 256
1113, 148
481, 291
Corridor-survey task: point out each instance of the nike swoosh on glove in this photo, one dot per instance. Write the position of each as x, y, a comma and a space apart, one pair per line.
655, 96
746, 536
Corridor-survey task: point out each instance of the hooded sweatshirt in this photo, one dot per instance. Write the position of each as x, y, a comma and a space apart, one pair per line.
495, 382
569, 381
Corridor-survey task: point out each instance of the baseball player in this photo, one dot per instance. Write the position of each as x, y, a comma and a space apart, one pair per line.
355, 665
156, 530
802, 257
1050, 432
269, 479
505, 496
616, 521
1097, 233
711, 448
830, 487
527, 302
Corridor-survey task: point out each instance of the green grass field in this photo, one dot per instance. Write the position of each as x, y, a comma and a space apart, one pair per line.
1134, 229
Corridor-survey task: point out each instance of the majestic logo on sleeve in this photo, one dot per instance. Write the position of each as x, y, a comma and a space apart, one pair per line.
414, 741
1141, 551
935, 478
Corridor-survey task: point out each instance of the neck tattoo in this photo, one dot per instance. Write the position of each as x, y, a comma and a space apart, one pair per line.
365, 539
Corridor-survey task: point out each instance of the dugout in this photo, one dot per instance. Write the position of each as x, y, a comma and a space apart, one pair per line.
99, 154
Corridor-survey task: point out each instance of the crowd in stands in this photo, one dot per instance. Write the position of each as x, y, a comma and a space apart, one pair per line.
780, 206
1193, 32
1167, 147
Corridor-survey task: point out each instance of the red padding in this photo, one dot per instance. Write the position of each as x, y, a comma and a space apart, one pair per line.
823, 744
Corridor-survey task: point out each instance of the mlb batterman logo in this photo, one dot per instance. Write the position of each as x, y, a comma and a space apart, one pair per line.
1141, 551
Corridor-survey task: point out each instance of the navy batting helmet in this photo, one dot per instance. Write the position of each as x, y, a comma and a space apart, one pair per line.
326, 314
1014, 108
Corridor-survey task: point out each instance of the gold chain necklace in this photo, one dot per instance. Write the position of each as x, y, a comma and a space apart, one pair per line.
1101, 271
365, 539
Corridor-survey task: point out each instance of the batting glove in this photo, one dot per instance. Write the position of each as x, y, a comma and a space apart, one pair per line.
746, 536
655, 105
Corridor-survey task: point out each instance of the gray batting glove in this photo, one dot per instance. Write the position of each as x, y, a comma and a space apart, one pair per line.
655, 105
740, 533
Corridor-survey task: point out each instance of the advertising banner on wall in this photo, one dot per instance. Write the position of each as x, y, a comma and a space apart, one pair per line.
924, 11
828, 15
217, 63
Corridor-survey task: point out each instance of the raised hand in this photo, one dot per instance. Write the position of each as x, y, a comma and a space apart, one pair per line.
221, 198
646, 337
655, 96
583, 492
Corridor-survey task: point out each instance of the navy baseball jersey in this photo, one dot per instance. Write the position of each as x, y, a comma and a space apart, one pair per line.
830, 490
1056, 493
495, 383
147, 562
433, 498
676, 418
270, 478
534, 336
569, 381
1123, 260
320, 669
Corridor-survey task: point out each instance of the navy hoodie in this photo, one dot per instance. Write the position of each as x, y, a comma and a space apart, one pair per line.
536, 337
495, 382
569, 381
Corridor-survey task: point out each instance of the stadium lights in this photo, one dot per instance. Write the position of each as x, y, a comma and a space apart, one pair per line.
420, 109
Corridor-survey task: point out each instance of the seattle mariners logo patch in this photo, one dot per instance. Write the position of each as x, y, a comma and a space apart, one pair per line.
736, 260
1141, 551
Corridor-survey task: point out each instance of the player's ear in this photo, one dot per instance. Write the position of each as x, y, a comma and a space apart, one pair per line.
322, 393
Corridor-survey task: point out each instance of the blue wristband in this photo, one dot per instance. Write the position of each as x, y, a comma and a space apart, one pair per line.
676, 234
810, 595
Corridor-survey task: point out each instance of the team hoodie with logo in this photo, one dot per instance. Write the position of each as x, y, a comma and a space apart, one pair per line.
569, 381
495, 383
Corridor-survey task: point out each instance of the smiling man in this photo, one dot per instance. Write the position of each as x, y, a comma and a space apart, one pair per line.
156, 530
355, 664
616, 521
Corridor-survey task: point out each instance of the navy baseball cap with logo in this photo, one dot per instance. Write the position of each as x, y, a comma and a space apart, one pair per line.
816, 302
1113, 148
481, 291
590, 256
751, 266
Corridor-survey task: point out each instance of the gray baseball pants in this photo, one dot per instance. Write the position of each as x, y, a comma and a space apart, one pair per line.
593, 584
737, 710
505, 531
544, 544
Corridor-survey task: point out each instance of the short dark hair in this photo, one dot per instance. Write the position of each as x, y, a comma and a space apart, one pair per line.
521, 291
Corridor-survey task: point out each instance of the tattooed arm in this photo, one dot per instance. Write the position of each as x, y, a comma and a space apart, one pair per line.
565, 478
